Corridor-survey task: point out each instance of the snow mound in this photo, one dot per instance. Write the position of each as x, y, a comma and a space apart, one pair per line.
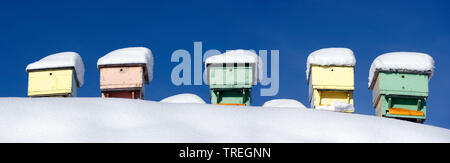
238, 56
330, 57
184, 98
128, 120
402, 62
337, 106
61, 60
284, 103
131, 55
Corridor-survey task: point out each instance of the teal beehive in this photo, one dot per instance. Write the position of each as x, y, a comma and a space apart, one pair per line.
231, 76
399, 84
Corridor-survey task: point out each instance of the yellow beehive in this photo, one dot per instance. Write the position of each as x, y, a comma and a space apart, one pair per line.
57, 75
56, 82
332, 77
332, 82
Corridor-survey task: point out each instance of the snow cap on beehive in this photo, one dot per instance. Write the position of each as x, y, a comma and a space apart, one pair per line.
61, 60
238, 56
130, 56
412, 62
330, 57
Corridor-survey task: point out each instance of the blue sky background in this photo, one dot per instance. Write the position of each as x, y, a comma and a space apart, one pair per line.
30, 30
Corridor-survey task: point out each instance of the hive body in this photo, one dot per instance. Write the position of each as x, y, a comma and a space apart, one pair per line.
330, 84
122, 81
400, 95
230, 84
52, 83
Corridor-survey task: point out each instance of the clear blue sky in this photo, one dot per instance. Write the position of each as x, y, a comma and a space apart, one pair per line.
30, 30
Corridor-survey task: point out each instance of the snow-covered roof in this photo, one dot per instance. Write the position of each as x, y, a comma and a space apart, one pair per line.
238, 56
330, 57
286, 103
234, 56
184, 98
127, 120
402, 62
61, 60
131, 55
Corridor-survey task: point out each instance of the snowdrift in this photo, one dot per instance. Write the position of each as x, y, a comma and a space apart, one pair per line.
284, 103
125, 120
183, 99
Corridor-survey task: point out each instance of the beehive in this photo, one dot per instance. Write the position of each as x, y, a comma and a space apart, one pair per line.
231, 76
330, 74
230, 85
57, 82
123, 81
400, 85
124, 72
57, 75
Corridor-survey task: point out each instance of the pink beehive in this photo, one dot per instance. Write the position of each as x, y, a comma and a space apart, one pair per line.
124, 72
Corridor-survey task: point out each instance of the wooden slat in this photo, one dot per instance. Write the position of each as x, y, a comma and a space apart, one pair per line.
400, 111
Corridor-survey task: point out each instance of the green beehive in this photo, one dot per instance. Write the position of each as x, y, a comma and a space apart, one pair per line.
401, 95
230, 77
400, 85
230, 85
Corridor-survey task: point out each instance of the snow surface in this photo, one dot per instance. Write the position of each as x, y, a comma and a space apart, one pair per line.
329, 57
184, 98
337, 106
130, 120
402, 62
131, 55
61, 60
238, 56
284, 103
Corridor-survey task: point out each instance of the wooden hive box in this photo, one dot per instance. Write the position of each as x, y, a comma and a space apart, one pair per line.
400, 95
329, 84
52, 83
231, 75
230, 84
56, 75
399, 84
124, 72
123, 81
